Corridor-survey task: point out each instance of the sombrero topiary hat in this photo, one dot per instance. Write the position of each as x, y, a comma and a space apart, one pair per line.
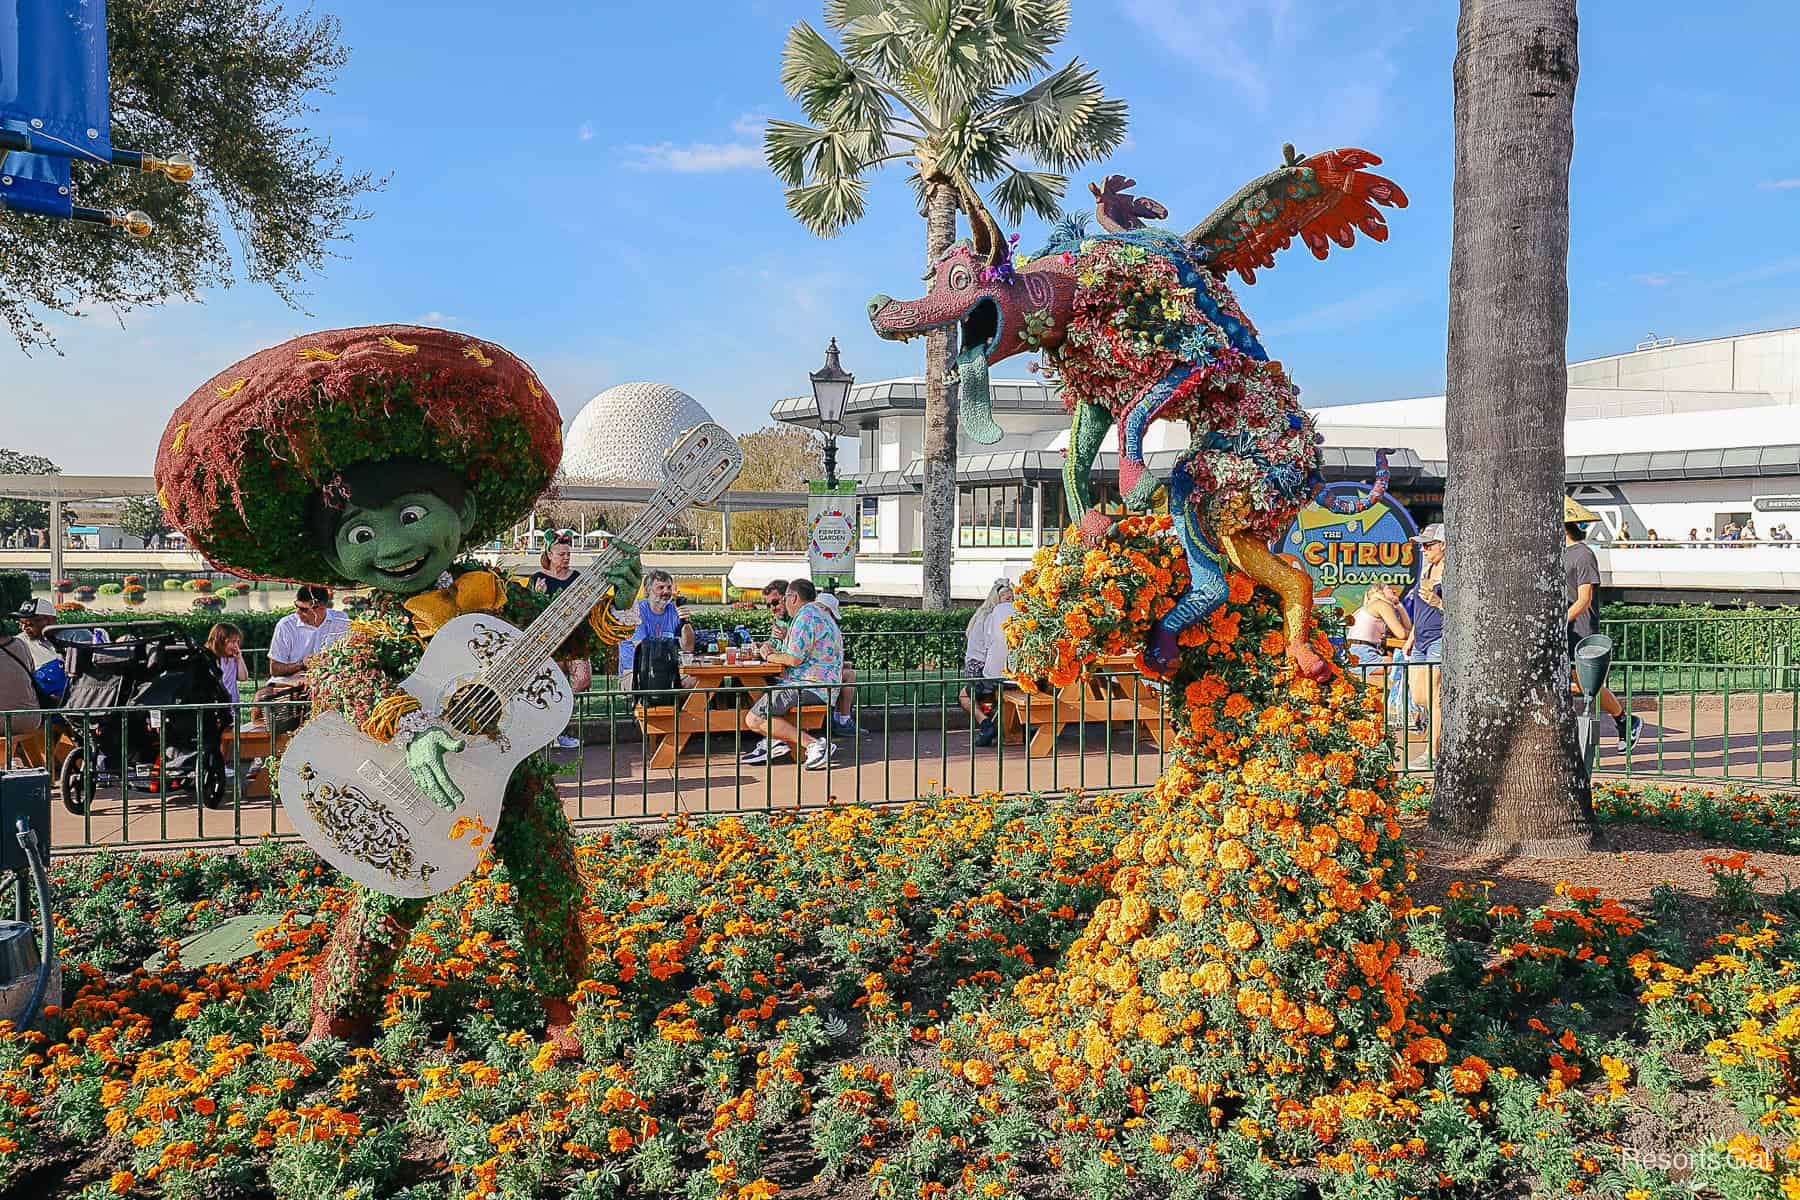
245, 457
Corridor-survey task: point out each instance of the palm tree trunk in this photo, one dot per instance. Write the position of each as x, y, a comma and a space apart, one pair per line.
1509, 776
940, 414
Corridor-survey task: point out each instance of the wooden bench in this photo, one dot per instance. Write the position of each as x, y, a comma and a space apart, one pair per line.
667, 729
250, 745
1021, 708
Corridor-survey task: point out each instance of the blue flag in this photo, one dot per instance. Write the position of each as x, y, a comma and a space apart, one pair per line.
53, 89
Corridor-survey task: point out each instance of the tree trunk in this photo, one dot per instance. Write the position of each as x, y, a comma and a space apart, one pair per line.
1509, 777
940, 414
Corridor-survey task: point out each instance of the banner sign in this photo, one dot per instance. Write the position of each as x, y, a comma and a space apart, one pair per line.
831, 533
1776, 504
1347, 552
53, 90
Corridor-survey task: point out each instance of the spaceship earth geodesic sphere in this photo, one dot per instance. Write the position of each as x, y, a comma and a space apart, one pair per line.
622, 434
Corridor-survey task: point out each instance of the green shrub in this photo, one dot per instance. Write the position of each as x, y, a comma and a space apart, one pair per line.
15, 589
111, 589
1698, 633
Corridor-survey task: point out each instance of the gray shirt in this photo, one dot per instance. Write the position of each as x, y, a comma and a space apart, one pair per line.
1581, 566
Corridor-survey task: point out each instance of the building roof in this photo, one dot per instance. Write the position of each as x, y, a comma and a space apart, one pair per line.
868, 402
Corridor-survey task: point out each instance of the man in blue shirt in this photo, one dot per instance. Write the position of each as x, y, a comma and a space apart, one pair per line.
659, 615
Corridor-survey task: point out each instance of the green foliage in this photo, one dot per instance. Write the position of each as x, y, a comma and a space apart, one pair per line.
16, 515
931, 83
229, 83
1698, 633
15, 589
143, 518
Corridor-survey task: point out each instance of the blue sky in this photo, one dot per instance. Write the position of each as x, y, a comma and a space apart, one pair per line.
583, 183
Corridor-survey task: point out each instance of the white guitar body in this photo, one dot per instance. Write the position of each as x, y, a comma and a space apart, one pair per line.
354, 800
494, 686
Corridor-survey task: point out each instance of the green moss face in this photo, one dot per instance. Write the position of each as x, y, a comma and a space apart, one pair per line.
401, 546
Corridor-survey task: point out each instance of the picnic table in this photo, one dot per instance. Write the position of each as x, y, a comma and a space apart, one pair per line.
1113, 692
669, 728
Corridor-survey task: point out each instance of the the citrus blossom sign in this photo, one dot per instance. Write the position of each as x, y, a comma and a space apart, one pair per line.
1347, 552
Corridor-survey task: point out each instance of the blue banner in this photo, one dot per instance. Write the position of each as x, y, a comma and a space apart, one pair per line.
54, 89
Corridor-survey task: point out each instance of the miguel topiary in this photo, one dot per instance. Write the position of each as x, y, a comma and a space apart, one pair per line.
246, 458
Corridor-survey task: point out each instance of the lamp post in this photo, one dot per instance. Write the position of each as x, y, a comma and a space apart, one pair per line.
831, 392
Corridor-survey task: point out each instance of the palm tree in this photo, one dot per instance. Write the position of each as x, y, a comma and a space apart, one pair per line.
928, 81
1509, 777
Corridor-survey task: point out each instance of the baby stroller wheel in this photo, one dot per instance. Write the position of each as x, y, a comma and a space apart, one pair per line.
71, 782
217, 793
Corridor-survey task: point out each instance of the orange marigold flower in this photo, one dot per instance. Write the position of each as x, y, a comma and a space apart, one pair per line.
978, 1071
1234, 855
618, 1140
1213, 978
121, 1182
1241, 935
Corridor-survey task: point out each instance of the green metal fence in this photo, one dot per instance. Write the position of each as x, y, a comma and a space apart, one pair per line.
1705, 720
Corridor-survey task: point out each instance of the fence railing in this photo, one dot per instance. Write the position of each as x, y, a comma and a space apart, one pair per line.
914, 733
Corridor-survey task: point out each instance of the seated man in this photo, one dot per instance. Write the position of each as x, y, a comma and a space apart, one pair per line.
658, 615
312, 626
814, 657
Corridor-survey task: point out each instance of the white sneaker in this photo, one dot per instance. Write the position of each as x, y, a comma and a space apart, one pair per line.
1422, 763
819, 754
766, 751
565, 742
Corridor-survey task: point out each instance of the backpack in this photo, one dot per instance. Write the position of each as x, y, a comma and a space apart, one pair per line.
656, 672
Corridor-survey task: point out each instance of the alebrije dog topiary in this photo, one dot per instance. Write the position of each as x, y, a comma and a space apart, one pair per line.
247, 454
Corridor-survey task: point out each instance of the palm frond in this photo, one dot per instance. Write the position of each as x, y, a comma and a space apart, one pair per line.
828, 86
839, 14
1039, 191
973, 147
799, 153
828, 206
1020, 36
878, 42
1065, 119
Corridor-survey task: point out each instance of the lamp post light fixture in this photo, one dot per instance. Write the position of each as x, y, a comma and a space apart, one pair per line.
831, 392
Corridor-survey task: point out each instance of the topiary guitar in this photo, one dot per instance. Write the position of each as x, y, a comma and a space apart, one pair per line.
487, 688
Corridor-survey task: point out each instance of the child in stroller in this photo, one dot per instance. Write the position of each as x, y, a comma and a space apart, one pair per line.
114, 712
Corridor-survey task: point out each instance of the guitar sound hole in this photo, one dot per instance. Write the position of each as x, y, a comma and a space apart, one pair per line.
474, 708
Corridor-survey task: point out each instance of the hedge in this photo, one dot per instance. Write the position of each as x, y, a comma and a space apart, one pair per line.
1697, 633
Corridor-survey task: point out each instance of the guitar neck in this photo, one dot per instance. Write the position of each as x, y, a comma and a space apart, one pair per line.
527, 653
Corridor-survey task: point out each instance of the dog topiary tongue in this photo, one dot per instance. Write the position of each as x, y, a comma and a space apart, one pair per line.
975, 398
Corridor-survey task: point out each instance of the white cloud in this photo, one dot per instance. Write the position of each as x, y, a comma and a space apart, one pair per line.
434, 317
1657, 278
698, 157
1778, 185
586, 132
694, 158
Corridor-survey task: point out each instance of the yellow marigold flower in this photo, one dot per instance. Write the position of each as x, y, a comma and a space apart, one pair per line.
1213, 978
1193, 904
1240, 935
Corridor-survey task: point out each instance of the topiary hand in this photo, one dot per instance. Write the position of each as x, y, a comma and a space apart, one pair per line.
626, 575
425, 759
1143, 496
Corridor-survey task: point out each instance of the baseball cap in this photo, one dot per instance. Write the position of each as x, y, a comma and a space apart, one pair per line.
1433, 532
829, 603
36, 608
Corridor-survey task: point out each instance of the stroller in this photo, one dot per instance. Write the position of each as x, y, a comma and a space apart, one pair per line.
111, 711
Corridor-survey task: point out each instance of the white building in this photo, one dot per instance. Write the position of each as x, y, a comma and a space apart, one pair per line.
1668, 437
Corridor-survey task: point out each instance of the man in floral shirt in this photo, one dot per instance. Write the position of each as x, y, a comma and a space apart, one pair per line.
814, 657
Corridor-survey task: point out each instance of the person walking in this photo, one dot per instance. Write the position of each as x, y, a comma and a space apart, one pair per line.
1581, 583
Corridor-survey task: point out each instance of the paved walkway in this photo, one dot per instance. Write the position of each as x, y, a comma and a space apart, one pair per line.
1705, 739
